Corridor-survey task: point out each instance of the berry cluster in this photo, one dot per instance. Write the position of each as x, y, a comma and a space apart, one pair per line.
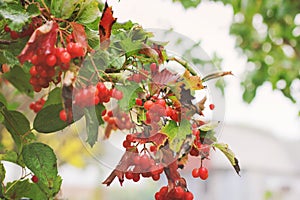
201, 172
117, 119
145, 166
178, 193
38, 105
48, 66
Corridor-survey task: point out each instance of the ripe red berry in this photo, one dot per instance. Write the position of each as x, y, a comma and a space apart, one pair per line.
51, 60
34, 179
196, 173
148, 104
6, 28
156, 177
203, 173
138, 101
153, 67
178, 192
117, 94
65, 57
63, 115
129, 175
211, 106
188, 196
161, 102
14, 35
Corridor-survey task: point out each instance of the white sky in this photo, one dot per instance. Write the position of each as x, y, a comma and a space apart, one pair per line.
210, 22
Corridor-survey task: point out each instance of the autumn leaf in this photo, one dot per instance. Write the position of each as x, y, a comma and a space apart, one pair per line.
192, 82
158, 139
105, 25
42, 40
229, 155
80, 35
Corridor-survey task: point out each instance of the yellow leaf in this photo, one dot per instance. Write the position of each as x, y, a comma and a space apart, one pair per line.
193, 82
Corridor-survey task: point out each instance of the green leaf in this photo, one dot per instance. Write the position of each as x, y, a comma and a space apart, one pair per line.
16, 15
10, 156
130, 93
3, 99
68, 7
33, 10
20, 80
189, 3
20, 189
48, 121
229, 155
130, 47
41, 160
54, 97
8, 57
2, 173
17, 125
99, 109
118, 27
89, 12
92, 124
56, 8
177, 134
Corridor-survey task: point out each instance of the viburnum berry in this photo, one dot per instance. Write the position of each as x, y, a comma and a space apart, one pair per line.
117, 94
211, 106
196, 173
65, 57
34, 179
148, 104
37, 106
63, 115
153, 67
203, 173
51, 60
138, 101
188, 196
178, 192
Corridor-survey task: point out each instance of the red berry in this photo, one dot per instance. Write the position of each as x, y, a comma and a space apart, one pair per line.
34, 179
203, 173
129, 175
153, 148
153, 67
51, 60
33, 71
63, 115
156, 177
138, 101
117, 94
145, 162
188, 196
179, 192
126, 144
148, 104
75, 49
14, 35
136, 177
211, 106
6, 28
161, 102
196, 173
65, 57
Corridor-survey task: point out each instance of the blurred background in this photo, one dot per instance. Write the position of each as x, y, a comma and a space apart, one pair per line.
259, 42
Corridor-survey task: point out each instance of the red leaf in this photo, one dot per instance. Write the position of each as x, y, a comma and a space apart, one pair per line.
105, 25
42, 41
159, 139
79, 35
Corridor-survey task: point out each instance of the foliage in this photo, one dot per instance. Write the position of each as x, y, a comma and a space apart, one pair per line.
267, 33
77, 61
